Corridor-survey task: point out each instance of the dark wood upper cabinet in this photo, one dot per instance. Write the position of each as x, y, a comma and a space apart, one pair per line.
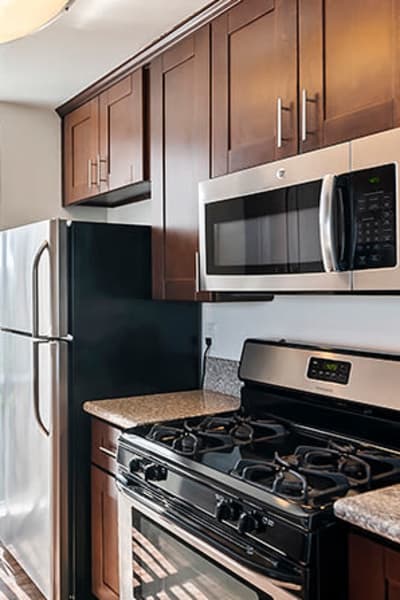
254, 84
81, 131
122, 134
106, 146
349, 69
180, 142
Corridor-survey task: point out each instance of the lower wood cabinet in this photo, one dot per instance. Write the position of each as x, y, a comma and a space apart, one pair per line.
374, 570
105, 584
105, 575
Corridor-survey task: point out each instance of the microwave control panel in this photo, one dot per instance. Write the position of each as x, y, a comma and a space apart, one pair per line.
335, 371
374, 194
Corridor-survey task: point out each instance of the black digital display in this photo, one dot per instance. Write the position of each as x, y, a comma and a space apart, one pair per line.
336, 371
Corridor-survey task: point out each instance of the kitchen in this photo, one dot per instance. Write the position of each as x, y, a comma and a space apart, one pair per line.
213, 192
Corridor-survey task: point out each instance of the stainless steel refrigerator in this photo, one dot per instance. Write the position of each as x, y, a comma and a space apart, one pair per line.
76, 323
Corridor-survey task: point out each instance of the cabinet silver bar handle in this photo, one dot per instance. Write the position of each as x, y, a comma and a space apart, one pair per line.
304, 100
100, 161
107, 452
89, 173
197, 272
98, 170
279, 108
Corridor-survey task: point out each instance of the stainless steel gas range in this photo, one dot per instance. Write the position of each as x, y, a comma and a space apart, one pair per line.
239, 506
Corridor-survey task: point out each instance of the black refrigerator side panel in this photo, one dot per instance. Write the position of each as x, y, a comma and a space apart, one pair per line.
110, 271
124, 344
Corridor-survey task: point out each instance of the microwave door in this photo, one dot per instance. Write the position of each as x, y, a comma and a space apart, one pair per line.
281, 240
260, 228
376, 189
319, 235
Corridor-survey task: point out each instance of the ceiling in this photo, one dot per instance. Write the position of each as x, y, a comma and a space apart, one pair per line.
92, 38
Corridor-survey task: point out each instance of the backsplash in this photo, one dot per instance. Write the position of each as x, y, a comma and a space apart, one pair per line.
370, 322
222, 376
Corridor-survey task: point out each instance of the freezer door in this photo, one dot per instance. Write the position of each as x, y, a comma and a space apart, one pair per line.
33, 276
33, 440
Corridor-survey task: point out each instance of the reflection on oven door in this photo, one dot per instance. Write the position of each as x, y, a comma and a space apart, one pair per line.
161, 560
165, 569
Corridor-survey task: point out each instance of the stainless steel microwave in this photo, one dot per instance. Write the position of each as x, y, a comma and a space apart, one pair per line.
326, 221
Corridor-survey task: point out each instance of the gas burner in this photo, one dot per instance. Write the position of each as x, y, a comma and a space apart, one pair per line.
216, 433
245, 429
281, 477
334, 461
189, 439
362, 466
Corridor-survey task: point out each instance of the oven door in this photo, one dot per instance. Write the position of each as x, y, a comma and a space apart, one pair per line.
160, 560
275, 228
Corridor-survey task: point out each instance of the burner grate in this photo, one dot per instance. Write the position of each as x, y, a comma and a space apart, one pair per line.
222, 433
284, 479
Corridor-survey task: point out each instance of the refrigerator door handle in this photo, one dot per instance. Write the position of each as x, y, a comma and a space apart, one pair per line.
35, 287
36, 388
59, 489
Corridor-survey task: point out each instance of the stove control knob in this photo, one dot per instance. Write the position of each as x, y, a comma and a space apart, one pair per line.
248, 523
153, 472
135, 465
227, 510
222, 510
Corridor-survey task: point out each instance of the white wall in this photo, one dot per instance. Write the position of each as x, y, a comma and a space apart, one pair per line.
369, 322
30, 168
138, 213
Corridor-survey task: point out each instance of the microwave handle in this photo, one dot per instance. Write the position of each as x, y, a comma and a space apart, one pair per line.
326, 224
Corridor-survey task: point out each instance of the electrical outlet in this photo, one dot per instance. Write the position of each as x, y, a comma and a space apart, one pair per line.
210, 330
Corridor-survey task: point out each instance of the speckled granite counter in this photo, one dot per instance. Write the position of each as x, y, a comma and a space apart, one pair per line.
377, 511
154, 408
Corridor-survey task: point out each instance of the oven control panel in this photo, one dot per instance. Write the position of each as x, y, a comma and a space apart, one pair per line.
335, 371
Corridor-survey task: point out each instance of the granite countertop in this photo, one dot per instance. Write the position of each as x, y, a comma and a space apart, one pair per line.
377, 511
154, 408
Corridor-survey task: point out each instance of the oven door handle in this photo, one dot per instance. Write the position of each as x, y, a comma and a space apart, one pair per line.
128, 499
327, 225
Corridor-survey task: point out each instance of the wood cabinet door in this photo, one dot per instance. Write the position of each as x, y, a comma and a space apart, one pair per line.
392, 574
105, 576
122, 154
81, 147
349, 69
366, 569
104, 445
254, 68
180, 130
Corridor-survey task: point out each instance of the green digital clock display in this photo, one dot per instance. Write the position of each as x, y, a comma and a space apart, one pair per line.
331, 366
374, 180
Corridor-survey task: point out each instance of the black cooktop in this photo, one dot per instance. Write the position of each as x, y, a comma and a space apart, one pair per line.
292, 461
